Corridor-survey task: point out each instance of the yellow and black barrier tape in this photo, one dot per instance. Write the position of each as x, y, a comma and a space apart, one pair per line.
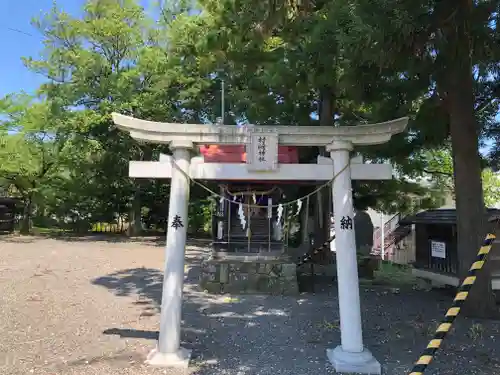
445, 326
307, 257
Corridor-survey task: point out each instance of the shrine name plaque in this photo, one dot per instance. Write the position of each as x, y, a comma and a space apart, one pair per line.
262, 150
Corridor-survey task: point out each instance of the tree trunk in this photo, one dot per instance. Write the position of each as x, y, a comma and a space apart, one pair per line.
25, 227
471, 215
326, 112
135, 216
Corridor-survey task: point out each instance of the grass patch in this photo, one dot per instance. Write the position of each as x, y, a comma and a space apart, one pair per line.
103, 227
43, 231
395, 275
231, 300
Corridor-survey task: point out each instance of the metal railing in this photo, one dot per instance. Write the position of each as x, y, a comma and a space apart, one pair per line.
389, 226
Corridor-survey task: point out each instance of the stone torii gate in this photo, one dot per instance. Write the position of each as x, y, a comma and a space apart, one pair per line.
350, 356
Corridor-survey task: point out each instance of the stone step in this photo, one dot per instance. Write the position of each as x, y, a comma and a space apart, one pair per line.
495, 274
243, 246
254, 230
245, 242
238, 227
244, 231
253, 238
253, 224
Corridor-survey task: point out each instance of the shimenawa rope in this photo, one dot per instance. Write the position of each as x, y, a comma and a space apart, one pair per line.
253, 205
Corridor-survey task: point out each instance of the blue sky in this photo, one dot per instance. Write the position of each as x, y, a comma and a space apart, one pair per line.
17, 15
20, 39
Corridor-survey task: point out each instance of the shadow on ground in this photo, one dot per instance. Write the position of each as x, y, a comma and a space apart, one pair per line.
75, 237
152, 240
282, 335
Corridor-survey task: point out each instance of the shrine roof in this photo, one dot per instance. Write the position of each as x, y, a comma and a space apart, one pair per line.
438, 216
9, 201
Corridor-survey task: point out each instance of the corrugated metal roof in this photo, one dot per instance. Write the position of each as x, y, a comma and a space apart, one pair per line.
439, 216
7, 200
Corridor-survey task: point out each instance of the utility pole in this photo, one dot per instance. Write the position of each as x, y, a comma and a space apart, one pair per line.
222, 104
382, 236
221, 118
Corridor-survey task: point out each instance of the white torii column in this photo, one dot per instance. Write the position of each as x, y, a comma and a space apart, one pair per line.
168, 352
350, 356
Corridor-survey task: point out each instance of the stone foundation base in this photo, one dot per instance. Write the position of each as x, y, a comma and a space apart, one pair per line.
322, 270
174, 360
258, 276
353, 363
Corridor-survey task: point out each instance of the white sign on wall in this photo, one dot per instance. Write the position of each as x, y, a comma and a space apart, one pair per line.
438, 249
262, 150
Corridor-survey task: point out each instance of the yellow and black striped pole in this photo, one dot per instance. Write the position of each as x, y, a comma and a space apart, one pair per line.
445, 326
306, 258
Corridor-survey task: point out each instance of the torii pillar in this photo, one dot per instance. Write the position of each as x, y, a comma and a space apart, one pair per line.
350, 356
168, 351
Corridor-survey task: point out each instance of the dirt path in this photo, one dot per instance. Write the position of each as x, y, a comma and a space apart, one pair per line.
90, 306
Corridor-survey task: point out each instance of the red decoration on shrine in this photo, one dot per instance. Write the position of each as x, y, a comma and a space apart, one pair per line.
237, 154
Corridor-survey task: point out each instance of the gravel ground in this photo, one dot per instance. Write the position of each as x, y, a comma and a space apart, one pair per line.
90, 306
